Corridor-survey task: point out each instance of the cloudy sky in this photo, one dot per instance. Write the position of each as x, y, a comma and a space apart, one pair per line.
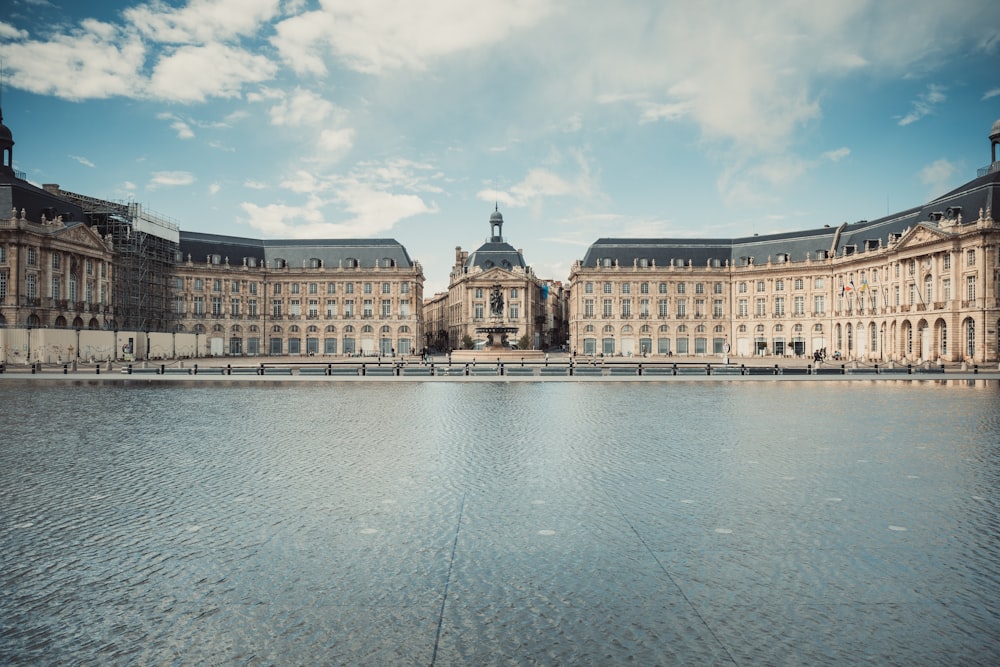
581, 118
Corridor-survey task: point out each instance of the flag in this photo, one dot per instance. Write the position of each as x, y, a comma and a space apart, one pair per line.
849, 287
864, 284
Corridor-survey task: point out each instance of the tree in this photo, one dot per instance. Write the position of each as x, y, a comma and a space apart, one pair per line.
524, 343
467, 342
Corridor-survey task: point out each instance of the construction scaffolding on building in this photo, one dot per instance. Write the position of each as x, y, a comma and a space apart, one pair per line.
146, 247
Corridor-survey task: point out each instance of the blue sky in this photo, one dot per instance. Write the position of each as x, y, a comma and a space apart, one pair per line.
582, 119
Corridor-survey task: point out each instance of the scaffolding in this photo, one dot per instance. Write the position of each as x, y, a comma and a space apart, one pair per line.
146, 248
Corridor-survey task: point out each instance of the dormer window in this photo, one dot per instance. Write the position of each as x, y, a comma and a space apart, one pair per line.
351, 263
315, 263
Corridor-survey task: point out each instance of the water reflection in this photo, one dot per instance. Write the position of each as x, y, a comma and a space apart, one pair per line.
450, 523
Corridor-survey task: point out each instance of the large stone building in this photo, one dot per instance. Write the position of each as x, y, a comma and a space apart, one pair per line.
292, 297
532, 307
921, 284
55, 270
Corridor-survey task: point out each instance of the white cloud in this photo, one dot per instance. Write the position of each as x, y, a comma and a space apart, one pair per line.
837, 155
993, 92
254, 185
84, 161
8, 31
170, 179
214, 188
194, 73
379, 35
200, 21
78, 65
937, 176
301, 107
924, 104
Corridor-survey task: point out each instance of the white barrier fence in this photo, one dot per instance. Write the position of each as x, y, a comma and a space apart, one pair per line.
24, 346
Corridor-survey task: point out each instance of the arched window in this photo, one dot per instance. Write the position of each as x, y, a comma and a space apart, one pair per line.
331, 329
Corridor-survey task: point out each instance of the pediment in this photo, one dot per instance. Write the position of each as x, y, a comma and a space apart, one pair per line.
922, 235
84, 237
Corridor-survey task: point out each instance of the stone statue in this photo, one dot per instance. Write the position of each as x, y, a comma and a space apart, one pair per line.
496, 301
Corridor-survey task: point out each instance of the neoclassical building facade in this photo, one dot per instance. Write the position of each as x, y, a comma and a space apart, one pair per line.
55, 269
919, 285
532, 307
301, 298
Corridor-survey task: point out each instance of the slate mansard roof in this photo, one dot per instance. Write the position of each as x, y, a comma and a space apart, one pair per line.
982, 193
296, 253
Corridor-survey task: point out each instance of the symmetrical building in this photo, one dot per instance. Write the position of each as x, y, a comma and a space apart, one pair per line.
532, 307
922, 284
313, 297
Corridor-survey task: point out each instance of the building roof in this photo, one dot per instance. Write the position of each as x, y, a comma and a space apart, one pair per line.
333, 253
964, 202
496, 252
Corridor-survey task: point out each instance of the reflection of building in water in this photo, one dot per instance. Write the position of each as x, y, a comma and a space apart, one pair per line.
920, 284
527, 307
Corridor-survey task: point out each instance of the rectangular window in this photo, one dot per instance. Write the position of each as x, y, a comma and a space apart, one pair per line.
3, 286
588, 308
947, 260
349, 288
741, 308
386, 288
626, 288
946, 289
367, 309
513, 292
970, 288
276, 289
253, 288
55, 261
819, 304
199, 305
681, 288
799, 306
477, 311
386, 308
644, 288
404, 288
295, 308
662, 288
717, 308
515, 311
199, 285
404, 307
55, 287
313, 308
331, 308
606, 310
216, 306
699, 288
970, 258
31, 285
368, 288
251, 307
235, 287
588, 288
276, 308
662, 307
479, 292
607, 288
779, 306
3, 257
644, 308
217, 285
234, 307
179, 304
348, 308
761, 308
626, 308
681, 306
331, 288
32, 256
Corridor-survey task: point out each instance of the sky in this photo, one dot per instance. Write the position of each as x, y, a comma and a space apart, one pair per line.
578, 119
